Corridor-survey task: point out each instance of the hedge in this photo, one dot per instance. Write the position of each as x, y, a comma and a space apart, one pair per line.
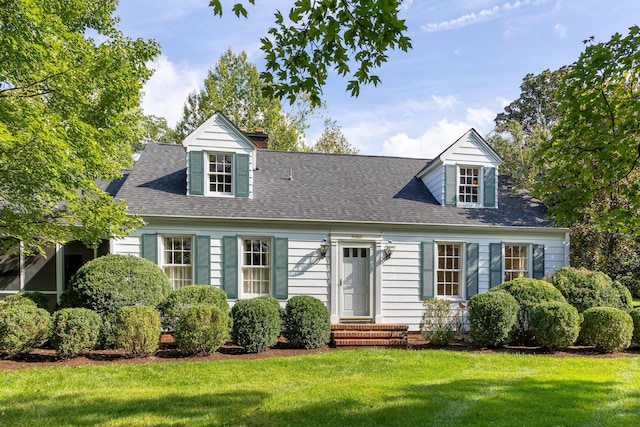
189, 296
136, 330
609, 329
584, 289
556, 325
23, 326
75, 331
492, 316
307, 323
111, 282
201, 329
256, 323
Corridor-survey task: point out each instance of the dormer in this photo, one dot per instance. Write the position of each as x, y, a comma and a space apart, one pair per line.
220, 160
465, 174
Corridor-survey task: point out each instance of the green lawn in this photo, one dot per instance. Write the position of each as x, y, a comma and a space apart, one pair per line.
335, 388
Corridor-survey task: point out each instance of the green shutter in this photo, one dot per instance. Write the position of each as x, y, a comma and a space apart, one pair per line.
495, 264
450, 180
281, 268
196, 173
426, 270
490, 187
472, 269
203, 260
241, 169
149, 247
230, 266
538, 261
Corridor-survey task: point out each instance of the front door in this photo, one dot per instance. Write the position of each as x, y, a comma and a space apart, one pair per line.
354, 280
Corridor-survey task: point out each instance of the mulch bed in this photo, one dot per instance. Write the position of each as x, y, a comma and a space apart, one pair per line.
47, 357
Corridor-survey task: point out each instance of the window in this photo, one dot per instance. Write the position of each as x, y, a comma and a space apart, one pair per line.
177, 261
256, 267
220, 173
449, 270
469, 185
516, 263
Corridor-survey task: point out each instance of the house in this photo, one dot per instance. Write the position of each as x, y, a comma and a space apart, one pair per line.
370, 236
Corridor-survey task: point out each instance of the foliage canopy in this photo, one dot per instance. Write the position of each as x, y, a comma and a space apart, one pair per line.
70, 86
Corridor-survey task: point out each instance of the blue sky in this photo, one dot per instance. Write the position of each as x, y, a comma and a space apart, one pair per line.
468, 60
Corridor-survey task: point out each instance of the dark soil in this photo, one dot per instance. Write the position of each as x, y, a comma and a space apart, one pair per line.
47, 357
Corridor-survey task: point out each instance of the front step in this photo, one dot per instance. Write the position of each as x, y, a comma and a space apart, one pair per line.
378, 335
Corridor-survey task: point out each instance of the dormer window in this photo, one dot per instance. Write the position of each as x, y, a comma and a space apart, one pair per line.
221, 173
469, 185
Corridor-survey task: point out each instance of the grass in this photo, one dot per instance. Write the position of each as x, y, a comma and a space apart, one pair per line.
352, 388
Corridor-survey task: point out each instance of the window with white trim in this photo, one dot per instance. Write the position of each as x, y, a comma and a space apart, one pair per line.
221, 173
177, 260
449, 270
469, 185
516, 261
256, 267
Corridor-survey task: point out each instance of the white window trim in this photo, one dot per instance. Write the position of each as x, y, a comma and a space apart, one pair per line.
529, 246
207, 182
161, 257
241, 293
480, 203
463, 270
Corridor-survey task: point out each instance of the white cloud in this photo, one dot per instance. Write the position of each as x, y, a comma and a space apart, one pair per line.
428, 145
481, 118
168, 88
560, 31
446, 102
480, 16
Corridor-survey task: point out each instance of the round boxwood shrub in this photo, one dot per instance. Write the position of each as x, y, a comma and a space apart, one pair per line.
22, 327
608, 329
556, 325
189, 296
75, 331
256, 323
306, 322
38, 298
584, 289
491, 318
528, 292
111, 282
201, 329
136, 330
635, 315
17, 299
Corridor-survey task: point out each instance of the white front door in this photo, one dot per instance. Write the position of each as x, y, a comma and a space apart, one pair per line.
355, 290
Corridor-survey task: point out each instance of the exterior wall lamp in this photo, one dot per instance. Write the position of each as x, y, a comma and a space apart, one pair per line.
389, 249
324, 248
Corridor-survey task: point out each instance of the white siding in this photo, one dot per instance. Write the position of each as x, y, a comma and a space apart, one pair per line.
469, 152
396, 281
435, 183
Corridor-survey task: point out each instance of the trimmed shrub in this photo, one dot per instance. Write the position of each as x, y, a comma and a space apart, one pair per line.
111, 282
306, 322
17, 299
75, 331
136, 330
528, 292
584, 289
189, 296
492, 316
635, 315
556, 325
22, 327
201, 329
608, 329
38, 298
437, 324
256, 323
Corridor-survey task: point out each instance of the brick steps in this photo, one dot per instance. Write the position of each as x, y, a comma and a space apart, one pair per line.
368, 334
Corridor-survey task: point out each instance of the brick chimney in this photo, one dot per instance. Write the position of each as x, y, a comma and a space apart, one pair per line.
259, 138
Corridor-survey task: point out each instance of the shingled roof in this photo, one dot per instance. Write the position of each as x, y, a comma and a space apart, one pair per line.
324, 187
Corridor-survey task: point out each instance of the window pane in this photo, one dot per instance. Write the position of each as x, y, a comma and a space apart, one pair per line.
177, 261
449, 270
256, 271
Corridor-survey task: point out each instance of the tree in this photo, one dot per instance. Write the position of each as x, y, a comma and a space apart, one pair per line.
333, 140
68, 117
319, 35
525, 124
155, 129
593, 157
234, 88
